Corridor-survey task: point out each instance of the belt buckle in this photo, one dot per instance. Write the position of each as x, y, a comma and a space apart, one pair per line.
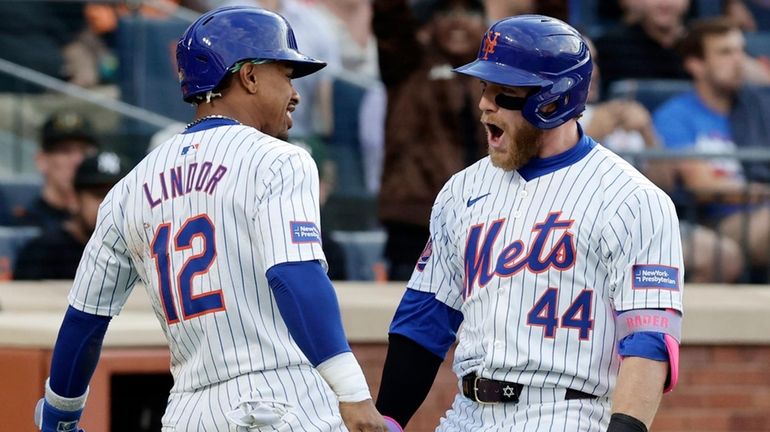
476, 392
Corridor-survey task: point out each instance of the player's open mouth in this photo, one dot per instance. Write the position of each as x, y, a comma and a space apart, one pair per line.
494, 135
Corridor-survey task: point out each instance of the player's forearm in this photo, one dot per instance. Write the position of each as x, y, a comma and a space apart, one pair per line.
639, 388
308, 305
422, 331
733, 192
699, 178
76, 352
407, 377
74, 360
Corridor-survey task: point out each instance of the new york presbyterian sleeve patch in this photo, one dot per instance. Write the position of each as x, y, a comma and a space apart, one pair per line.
304, 232
652, 276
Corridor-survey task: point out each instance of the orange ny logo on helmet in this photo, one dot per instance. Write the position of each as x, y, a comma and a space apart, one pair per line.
489, 44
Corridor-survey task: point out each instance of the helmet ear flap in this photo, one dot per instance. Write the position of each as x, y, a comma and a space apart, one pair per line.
563, 93
533, 110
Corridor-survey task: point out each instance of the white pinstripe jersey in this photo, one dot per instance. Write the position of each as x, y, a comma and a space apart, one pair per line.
199, 221
538, 268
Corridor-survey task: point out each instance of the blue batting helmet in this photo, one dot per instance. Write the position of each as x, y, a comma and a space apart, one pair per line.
219, 39
537, 51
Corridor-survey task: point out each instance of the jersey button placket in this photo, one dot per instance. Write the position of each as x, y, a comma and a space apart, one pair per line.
522, 195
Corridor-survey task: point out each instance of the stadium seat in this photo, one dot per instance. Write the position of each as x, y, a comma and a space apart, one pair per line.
758, 44
363, 253
648, 92
584, 15
147, 74
344, 145
11, 241
15, 195
17, 153
708, 8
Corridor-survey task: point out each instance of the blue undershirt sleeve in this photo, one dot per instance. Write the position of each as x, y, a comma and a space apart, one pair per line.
309, 307
646, 344
427, 321
76, 352
649, 345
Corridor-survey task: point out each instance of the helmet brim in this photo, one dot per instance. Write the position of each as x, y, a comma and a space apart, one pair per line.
302, 64
305, 67
498, 73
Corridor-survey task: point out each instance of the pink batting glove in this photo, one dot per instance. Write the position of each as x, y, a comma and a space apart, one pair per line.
393, 425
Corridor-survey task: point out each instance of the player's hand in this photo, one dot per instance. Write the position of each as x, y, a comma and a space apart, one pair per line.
634, 116
362, 417
606, 118
50, 419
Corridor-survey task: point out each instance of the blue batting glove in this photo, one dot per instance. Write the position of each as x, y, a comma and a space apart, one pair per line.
50, 419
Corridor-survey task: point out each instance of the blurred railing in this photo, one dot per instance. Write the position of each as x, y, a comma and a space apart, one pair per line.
124, 110
120, 126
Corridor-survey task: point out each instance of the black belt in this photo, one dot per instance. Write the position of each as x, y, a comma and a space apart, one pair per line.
484, 390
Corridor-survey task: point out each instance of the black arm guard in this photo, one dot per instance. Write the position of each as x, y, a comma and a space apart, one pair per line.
406, 378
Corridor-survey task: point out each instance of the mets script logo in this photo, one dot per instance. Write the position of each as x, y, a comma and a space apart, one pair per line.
489, 44
425, 255
481, 266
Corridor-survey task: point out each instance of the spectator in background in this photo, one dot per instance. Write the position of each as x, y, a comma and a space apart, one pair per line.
713, 54
648, 46
432, 123
499, 9
626, 126
351, 22
327, 182
56, 253
103, 20
335, 254
645, 47
371, 134
66, 139
47, 36
750, 15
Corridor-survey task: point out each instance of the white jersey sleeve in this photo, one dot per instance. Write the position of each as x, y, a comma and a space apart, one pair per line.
643, 248
287, 211
105, 275
438, 270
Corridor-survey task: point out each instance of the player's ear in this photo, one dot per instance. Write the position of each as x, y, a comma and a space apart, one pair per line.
247, 76
693, 66
42, 162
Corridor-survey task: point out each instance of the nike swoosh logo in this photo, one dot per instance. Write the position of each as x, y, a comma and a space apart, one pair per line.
472, 201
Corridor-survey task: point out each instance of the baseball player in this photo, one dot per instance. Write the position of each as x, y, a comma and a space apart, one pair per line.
220, 224
562, 262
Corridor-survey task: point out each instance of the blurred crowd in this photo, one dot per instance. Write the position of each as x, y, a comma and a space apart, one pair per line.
677, 77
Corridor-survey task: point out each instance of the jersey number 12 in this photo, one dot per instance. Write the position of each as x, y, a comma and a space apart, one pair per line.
196, 265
